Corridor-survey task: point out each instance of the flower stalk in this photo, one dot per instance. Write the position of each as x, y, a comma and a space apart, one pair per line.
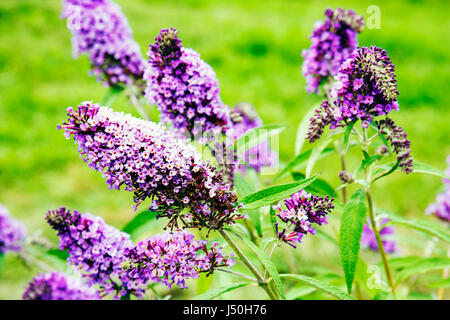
261, 281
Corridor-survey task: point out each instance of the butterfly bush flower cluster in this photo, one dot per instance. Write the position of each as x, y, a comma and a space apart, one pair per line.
12, 232
149, 161
298, 213
368, 237
100, 29
332, 42
58, 286
397, 137
441, 207
366, 88
174, 257
185, 88
96, 248
245, 118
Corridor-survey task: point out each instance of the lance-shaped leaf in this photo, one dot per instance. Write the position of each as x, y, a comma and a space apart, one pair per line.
2, 261
111, 95
255, 136
419, 167
243, 188
315, 154
318, 186
301, 160
422, 266
214, 293
302, 129
321, 285
268, 264
352, 223
421, 225
137, 225
275, 193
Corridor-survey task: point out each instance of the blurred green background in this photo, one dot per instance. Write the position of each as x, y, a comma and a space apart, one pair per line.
255, 48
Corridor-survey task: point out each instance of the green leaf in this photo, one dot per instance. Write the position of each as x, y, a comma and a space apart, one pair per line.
301, 160
445, 283
203, 283
321, 285
111, 96
214, 293
368, 160
2, 261
326, 236
267, 262
426, 226
318, 186
422, 266
352, 223
303, 129
347, 132
273, 220
243, 188
296, 293
275, 193
315, 154
137, 226
60, 254
419, 167
256, 136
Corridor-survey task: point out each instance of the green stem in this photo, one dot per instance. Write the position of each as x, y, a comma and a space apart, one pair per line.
365, 146
157, 295
251, 232
344, 189
379, 241
135, 101
261, 281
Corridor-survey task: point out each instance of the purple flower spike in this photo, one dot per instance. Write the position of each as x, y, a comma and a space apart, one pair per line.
368, 237
366, 87
397, 137
332, 42
245, 118
184, 88
58, 286
100, 29
174, 257
12, 232
149, 161
96, 248
298, 213
441, 207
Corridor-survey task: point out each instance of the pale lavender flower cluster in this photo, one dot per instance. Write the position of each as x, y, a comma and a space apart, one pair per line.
185, 88
174, 257
397, 137
332, 42
12, 232
298, 213
368, 237
58, 286
152, 163
100, 29
244, 118
441, 207
96, 248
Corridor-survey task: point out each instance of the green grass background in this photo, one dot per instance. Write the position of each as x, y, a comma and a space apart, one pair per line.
255, 48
